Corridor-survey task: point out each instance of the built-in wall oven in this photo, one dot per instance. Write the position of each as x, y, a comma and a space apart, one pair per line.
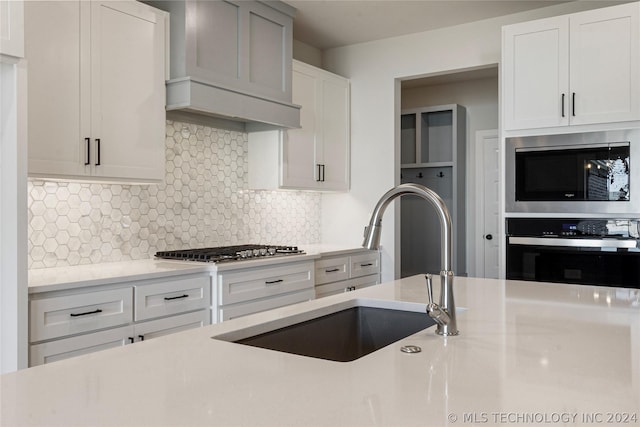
584, 173
592, 251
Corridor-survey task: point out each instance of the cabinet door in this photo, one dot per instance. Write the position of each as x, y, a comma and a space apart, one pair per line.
127, 90
535, 61
58, 87
265, 282
213, 43
365, 264
48, 352
171, 325
241, 45
172, 296
268, 48
331, 269
78, 313
334, 133
299, 165
605, 76
11, 28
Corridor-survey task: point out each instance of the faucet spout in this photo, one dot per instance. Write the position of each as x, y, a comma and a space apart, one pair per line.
443, 313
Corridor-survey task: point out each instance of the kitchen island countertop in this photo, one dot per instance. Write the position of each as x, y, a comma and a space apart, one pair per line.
527, 354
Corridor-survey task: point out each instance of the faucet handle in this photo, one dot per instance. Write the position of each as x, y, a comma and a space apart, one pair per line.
434, 311
429, 278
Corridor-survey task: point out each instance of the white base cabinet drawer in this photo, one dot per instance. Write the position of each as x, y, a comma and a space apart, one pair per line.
347, 285
251, 284
53, 351
173, 296
74, 314
243, 309
332, 269
365, 264
171, 325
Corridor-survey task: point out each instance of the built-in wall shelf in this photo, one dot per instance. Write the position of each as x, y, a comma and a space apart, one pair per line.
427, 165
433, 141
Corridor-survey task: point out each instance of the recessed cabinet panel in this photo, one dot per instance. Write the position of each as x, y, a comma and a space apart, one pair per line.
171, 325
128, 101
299, 147
216, 39
74, 314
52, 47
604, 70
11, 28
437, 134
267, 43
166, 297
535, 78
335, 153
408, 138
41, 354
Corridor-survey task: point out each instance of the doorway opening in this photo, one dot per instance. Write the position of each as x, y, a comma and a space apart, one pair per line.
475, 93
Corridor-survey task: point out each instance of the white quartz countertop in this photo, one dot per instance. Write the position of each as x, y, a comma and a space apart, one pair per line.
527, 354
59, 278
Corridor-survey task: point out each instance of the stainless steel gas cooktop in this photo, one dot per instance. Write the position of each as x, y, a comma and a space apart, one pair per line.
230, 253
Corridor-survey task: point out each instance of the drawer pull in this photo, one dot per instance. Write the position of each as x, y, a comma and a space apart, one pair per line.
141, 337
84, 314
174, 298
333, 270
366, 265
273, 281
132, 340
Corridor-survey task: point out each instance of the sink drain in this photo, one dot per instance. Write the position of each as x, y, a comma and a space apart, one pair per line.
410, 349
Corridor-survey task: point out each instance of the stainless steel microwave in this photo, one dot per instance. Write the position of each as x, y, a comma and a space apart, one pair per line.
586, 173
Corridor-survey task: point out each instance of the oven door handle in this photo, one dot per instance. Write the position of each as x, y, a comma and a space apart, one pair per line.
574, 243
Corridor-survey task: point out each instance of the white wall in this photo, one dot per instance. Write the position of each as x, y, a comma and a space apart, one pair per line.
373, 69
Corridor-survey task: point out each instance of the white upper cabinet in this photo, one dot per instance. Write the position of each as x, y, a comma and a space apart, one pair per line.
96, 90
315, 156
572, 70
11, 28
604, 71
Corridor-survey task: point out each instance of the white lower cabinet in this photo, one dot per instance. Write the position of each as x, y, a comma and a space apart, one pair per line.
169, 325
344, 273
66, 348
252, 290
68, 323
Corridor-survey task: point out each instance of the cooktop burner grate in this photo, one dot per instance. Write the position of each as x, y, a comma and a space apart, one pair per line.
229, 253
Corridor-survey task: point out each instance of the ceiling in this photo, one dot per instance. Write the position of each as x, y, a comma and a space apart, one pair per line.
325, 24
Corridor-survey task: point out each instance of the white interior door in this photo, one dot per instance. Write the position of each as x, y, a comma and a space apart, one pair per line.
488, 204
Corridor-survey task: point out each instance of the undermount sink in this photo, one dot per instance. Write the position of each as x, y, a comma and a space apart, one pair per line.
342, 332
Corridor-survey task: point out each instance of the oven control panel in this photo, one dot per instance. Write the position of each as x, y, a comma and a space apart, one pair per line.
573, 227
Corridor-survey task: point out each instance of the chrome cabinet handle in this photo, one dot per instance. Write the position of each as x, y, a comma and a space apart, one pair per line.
563, 105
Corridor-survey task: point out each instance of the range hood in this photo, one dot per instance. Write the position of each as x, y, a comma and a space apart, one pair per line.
232, 60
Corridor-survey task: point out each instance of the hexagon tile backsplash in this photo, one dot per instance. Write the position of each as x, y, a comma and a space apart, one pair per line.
204, 201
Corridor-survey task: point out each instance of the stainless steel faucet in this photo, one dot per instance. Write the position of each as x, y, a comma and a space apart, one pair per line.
443, 313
